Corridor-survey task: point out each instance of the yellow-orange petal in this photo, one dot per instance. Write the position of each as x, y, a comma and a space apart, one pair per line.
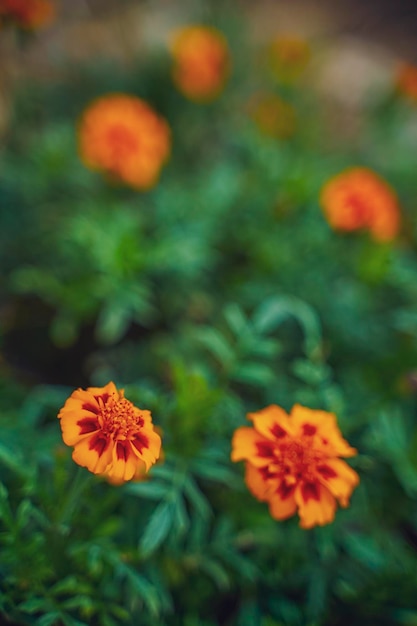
94, 453
272, 422
108, 390
316, 505
139, 475
249, 445
77, 425
146, 446
339, 478
124, 462
385, 224
256, 482
282, 502
323, 426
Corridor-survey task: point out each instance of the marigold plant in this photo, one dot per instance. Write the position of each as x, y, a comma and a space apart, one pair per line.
292, 462
110, 435
288, 57
407, 81
273, 116
358, 199
201, 62
27, 14
122, 136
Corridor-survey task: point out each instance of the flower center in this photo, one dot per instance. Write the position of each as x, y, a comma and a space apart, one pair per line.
122, 141
298, 459
120, 418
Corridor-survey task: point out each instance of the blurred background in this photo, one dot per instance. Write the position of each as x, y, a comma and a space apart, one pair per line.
214, 288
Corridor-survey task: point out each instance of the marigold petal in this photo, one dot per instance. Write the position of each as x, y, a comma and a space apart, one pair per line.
146, 446
316, 505
74, 431
94, 452
106, 391
339, 478
282, 502
272, 422
249, 445
327, 433
124, 462
256, 482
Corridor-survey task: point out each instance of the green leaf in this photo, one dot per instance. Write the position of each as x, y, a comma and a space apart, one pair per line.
181, 519
112, 323
11, 460
216, 345
271, 313
157, 528
50, 619
34, 605
257, 374
149, 489
5, 510
197, 500
216, 571
236, 320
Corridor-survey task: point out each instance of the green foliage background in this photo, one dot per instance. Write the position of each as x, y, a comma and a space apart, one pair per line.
219, 291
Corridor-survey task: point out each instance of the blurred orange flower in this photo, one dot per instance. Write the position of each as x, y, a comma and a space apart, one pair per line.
407, 81
27, 14
201, 62
111, 437
122, 136
273, 116
292, 462
358, 198
288, 57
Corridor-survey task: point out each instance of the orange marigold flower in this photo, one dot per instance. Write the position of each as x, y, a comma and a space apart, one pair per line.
201, 62
292, 462
273, 116
27, 14
407, 81
288, 57
122, 136
358, 198
110, 435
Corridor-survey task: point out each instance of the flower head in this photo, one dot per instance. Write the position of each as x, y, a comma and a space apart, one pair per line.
292, 462
357, 199
288, 57
273, 116
122, 136
201, 62
407, 81
110, 435
27, 14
